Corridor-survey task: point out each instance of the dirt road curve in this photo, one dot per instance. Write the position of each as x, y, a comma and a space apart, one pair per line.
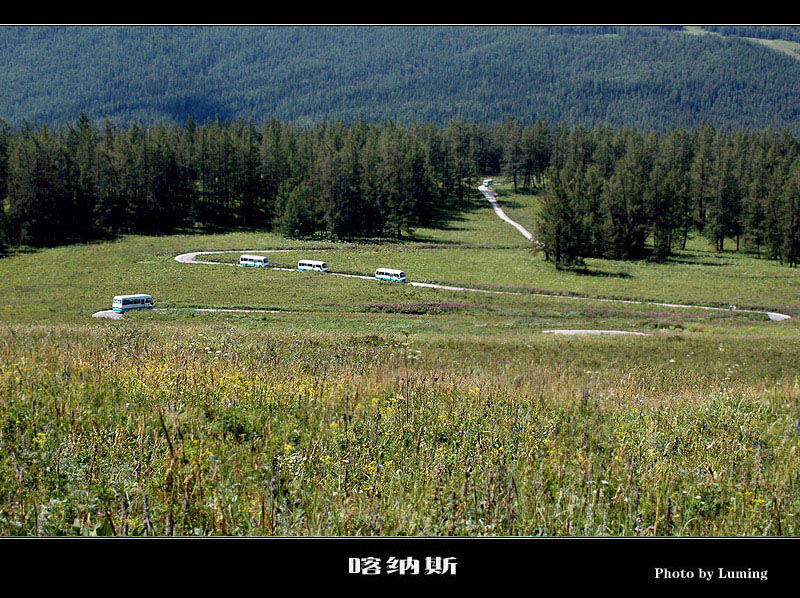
576, 332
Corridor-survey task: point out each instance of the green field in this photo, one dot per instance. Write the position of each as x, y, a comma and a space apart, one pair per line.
367, 408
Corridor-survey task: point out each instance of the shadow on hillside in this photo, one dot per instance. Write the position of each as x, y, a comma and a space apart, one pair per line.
507, 203
689, 262
19, 250
213, 229
27, 249
445, 217
600, 273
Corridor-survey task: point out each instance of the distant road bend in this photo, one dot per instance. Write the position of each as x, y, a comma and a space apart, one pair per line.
490, 194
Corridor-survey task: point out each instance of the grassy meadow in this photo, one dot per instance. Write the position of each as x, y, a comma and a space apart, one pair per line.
358, 408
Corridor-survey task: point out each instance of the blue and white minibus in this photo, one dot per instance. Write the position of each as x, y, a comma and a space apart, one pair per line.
254, 260
391, 275
312, 266
123, 303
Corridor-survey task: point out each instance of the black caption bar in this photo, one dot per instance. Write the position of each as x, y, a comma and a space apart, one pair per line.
457, 561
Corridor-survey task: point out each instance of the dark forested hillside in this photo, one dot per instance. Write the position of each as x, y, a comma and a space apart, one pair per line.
643, 77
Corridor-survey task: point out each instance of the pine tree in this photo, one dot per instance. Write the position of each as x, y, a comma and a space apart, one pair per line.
624, 199
39, 190
668, 193
559, 226
755, 202
5, 232
723, 209
298, 216
513, 153
791, 216
701, 173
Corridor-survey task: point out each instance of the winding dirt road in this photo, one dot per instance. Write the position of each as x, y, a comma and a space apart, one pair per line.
491, 195
192, 258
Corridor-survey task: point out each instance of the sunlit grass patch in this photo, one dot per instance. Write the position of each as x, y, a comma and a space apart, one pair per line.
217, 430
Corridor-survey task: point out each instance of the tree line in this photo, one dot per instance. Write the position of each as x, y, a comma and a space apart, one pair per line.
614, 193
627, 194
81, 181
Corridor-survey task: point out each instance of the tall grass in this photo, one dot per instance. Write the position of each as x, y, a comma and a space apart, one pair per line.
194, 430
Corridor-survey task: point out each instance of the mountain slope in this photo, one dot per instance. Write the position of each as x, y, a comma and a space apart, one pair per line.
624, 77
